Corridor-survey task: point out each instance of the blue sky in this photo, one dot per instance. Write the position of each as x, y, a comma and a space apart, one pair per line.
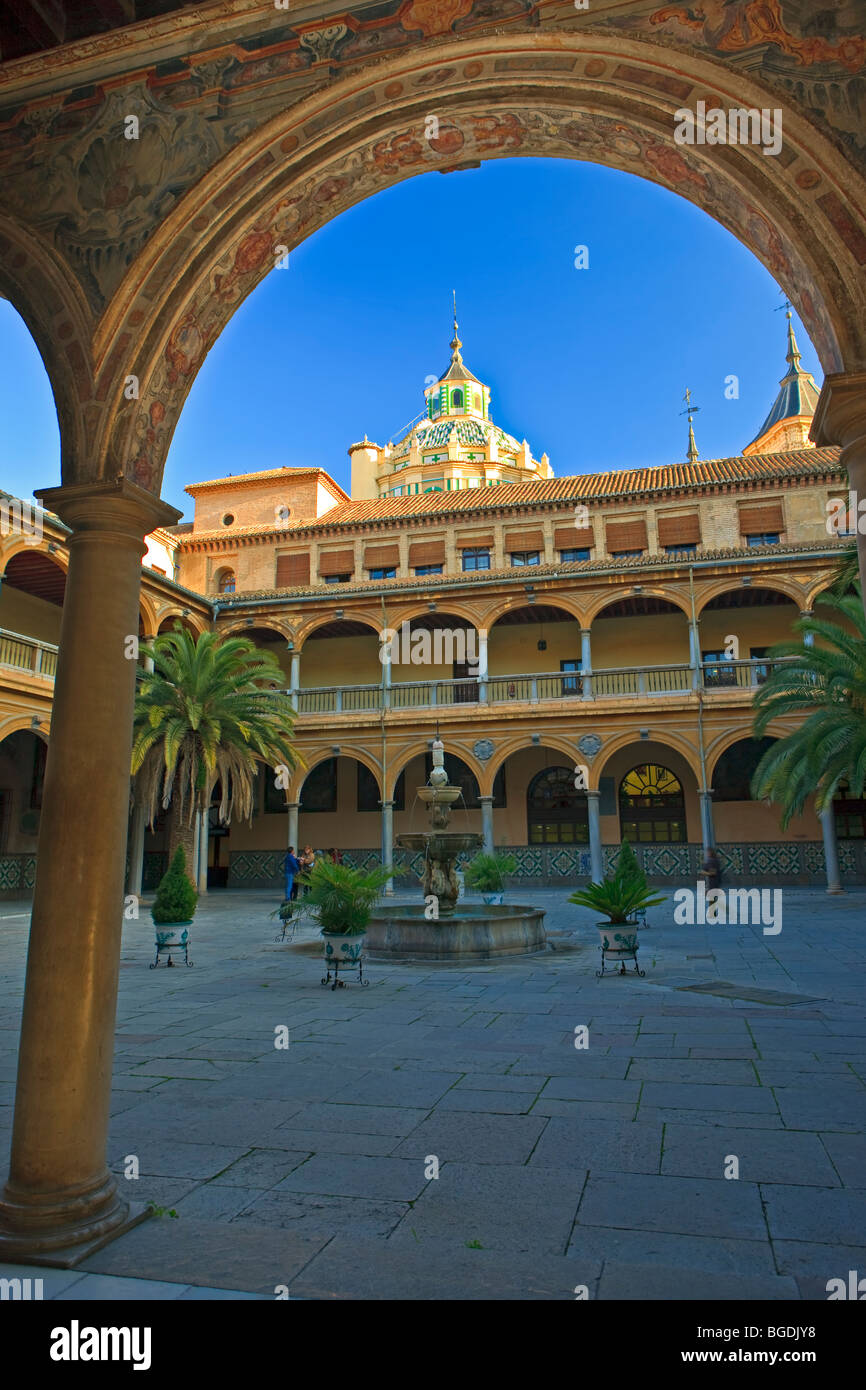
589, 365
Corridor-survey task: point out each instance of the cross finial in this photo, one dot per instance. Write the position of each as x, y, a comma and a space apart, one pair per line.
786, 306
691, 411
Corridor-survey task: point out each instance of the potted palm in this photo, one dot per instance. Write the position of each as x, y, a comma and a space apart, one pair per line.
486, 873
173, 909
341, 900
619, 897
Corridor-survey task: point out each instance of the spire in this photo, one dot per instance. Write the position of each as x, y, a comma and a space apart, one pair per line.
691, 410
793, 353
456, 344
794, 405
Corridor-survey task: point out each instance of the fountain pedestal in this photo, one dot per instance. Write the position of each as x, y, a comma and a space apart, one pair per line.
434, 930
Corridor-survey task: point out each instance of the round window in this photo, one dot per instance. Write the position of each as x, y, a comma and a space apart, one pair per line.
228, 519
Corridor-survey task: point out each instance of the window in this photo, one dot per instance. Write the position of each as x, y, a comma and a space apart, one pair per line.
764, 538
573, 686
390, 573
457, 399
476, 559
228, 519
732, 778
556, 812
226, 582
685, 548
624, 554
719, 670
566, 556
850, 815
429, 569
652, 806
760, 672
337, 578
525, 557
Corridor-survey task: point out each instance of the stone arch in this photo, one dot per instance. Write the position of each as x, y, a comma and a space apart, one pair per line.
312, 759
147, 616
12, 545
239, 627
609, 597
23, 723
817, 590
402, 760
789, 587
507, 604
720, 746
192, 621
599, 96
517, 744
305, 630
667, 738
52, 304
445, 608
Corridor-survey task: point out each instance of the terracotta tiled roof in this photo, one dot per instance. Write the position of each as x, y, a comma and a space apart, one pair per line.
611, 486
524, 576
286, 473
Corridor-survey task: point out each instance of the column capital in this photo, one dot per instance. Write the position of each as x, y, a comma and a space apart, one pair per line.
387, 804
706, 791
595, 793
482, 799
840, 416
118, 506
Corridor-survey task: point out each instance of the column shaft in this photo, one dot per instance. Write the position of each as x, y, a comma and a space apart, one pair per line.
831, 851
596, 853
487, 824
60, 1198
388, 841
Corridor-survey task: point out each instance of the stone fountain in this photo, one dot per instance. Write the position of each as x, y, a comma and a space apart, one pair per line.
434, 930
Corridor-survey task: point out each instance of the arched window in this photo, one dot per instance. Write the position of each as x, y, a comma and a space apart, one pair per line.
457, 399
652, 806
226, 582
556, 812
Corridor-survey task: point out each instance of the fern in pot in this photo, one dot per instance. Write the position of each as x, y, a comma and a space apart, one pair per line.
486, 873
619, 897
341, 900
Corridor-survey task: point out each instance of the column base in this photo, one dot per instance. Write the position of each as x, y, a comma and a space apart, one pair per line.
836, 892
63, 1230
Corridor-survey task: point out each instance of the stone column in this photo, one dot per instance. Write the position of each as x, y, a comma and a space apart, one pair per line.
294, 808
831, 851
487, 824
596, 853
586, 662
136, 851
708, 835
482, 665
388, 842
60, 1202
840, 418
385, 651
295, 677
203, 841
808, 637
695, 652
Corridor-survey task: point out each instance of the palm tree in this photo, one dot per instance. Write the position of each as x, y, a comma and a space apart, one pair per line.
210, 711
826, 684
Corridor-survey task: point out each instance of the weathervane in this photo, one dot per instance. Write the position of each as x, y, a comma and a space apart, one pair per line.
691, 411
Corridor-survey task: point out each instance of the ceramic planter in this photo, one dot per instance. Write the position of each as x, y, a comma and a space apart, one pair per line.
171, 936
343, 950
492, 899
617, 938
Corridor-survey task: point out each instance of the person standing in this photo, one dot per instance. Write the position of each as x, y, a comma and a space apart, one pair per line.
291, 867
307, 860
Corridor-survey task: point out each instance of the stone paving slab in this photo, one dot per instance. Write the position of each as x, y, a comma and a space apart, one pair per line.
683, 1206
306, 1166
658, 1283
434, 1270
774, 1156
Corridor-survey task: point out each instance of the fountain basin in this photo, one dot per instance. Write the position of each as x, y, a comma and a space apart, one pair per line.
444, 845
477, 933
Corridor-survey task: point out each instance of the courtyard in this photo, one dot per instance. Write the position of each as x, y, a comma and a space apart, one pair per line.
564, 1171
